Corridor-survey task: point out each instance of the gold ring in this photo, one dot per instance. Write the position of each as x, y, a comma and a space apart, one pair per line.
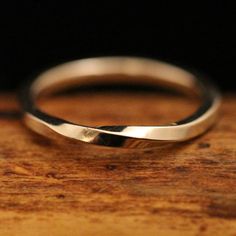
94, 70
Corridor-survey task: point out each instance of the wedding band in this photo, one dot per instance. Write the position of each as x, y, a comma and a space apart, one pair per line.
101, 71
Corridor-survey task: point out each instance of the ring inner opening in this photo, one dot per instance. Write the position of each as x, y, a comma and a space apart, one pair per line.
119, 103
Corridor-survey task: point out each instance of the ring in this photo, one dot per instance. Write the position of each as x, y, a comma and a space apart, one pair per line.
139, 70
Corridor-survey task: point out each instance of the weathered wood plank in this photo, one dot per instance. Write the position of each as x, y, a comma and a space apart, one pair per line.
51, 188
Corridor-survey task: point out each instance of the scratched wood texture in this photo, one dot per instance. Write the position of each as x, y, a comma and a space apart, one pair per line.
53, 188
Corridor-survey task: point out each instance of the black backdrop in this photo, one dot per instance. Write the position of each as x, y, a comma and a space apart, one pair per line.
38, 34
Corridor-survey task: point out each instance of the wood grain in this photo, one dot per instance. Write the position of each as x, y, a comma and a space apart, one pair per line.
51, 188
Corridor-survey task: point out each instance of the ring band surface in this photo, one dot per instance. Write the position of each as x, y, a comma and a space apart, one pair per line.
93, 71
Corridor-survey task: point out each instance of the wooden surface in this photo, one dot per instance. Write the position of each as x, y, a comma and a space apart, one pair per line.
51, 188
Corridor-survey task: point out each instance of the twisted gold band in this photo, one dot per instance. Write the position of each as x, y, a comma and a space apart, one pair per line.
93, 70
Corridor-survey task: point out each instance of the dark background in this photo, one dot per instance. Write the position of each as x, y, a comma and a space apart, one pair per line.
38, 34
